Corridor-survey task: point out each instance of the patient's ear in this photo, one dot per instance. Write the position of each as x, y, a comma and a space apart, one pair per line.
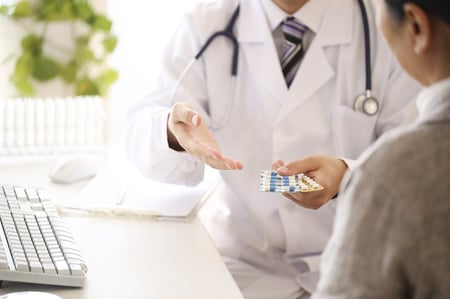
418, 27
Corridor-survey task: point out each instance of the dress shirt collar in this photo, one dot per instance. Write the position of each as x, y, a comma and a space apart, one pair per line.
309, 15
434, 102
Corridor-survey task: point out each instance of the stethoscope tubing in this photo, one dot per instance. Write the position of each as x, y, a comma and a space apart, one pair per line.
228, 33
366, 45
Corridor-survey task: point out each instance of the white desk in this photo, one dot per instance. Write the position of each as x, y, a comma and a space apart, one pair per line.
134, 258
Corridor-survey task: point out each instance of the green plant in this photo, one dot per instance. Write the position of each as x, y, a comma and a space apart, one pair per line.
84, 68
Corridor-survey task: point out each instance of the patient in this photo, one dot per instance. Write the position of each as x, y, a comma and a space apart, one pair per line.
392, 230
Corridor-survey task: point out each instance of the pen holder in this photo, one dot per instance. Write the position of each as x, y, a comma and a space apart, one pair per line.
48, 126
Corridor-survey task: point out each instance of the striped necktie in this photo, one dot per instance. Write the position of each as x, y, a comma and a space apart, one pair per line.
293, 48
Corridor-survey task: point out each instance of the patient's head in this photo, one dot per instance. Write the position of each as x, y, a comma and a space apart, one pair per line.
418, 32
438, 8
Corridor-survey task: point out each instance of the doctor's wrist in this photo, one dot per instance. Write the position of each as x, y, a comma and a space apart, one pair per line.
173, 142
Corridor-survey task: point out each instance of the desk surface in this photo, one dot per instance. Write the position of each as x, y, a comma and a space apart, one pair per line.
134, 258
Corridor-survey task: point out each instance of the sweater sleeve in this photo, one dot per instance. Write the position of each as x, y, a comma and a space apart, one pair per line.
359, 261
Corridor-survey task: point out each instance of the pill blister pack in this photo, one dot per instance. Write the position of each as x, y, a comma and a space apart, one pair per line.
271, 181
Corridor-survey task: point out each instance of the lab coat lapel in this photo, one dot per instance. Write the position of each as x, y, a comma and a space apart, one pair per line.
315, 70
259, 50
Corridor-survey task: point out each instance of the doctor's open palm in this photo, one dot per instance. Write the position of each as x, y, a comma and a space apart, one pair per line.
187, 132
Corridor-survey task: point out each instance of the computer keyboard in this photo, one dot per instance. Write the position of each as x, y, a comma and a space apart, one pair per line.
36, 245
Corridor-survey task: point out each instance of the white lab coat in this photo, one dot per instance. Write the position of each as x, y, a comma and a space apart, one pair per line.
267, 121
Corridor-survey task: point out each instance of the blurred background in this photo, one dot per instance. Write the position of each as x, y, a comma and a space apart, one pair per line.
143, 28
133, 32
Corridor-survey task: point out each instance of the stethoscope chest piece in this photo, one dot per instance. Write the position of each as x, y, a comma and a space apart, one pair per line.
366, 104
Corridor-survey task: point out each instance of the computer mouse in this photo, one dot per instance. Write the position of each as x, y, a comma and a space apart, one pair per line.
30, 295
74, 169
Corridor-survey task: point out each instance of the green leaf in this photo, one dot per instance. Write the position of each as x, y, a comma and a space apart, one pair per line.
84, 11
32, 44
101, 22
24, 87
49, 11
22, 9
4, 9
85, 87
82, 41
85, 55
45, 68
108, 77
24, 67
69, 72
110, 43
67, 11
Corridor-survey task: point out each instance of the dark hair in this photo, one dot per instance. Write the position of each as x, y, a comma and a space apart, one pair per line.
438, 8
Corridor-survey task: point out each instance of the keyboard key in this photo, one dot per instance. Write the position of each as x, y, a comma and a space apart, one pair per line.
62, 268
49, 268
76, 269
36, 266
22, 265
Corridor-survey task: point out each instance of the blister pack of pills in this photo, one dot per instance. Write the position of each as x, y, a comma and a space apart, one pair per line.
271, 181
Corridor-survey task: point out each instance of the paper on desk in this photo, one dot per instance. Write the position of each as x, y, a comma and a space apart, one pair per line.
127, 190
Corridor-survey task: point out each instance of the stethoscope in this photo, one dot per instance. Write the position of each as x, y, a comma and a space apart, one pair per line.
365, 103
227, 33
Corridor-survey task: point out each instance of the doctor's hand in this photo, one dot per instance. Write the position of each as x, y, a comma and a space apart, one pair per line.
326, 170
187, 132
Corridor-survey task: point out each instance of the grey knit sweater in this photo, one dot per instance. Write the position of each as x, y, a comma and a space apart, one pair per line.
392, 231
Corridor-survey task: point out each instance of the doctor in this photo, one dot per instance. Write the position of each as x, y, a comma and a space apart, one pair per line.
241, 124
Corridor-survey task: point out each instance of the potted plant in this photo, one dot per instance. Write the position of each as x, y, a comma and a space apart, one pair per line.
75, 55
